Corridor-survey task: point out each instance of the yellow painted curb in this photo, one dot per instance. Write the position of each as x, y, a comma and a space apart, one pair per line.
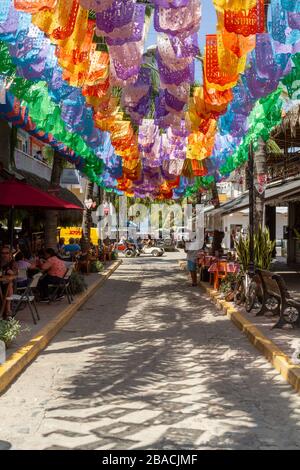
21, 358
280, 361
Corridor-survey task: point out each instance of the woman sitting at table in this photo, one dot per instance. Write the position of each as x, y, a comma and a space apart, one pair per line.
8, 267
54, 269
23, 265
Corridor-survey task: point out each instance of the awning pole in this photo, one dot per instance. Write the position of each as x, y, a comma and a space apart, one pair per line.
11, 226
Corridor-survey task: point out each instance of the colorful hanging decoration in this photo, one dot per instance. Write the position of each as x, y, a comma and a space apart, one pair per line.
246, 22
133, 120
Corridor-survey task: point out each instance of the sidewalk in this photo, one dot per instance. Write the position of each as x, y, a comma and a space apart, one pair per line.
277, 345
34, 338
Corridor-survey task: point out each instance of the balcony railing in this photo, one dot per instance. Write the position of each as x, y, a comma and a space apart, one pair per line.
25, 162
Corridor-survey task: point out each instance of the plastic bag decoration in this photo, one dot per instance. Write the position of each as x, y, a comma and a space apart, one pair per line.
291, 5
294, 20
60, 23
9, 24
246, 22
266, 65
180, 21
33, 6
235, 5
214, 75
123, 26
171, 3
134, 30
281, 24
119, 14
175, 77
149, 143
136, 97
237, 43
229, 62
5, 8
292, 81
96, 4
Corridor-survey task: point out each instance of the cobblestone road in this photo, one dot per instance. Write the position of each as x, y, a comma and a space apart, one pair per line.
148, 363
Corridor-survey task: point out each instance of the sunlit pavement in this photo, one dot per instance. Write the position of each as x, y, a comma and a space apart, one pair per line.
149, 363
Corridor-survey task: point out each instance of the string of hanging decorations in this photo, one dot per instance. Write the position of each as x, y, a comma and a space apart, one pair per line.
141, 121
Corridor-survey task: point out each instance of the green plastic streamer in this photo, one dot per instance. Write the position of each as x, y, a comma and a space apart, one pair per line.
47, 115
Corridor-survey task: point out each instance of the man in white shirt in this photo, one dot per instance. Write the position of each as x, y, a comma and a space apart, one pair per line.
192, 249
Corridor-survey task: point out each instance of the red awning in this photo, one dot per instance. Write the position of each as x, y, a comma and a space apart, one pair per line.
15, 193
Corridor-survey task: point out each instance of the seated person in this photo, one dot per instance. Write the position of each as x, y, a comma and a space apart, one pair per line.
61, 246
85, 257
149, 241
108, 248
23, 265
8, 267
139, 243
72, 248
55, 269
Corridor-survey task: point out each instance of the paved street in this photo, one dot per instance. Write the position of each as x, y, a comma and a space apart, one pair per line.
149, 363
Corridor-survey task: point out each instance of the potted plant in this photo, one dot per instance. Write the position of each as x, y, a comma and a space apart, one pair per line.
9, 330
228, 286
263, 250
78, 283
96, 266
248, 290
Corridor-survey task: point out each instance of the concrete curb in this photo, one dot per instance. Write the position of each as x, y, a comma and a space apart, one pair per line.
280, 361
27, 353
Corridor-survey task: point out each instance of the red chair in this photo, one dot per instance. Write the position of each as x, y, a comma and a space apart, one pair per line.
220, 273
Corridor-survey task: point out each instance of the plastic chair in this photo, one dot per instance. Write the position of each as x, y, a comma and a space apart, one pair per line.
220, 273
27, 297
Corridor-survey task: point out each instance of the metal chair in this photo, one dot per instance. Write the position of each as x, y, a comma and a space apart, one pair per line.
64, 287
26, 297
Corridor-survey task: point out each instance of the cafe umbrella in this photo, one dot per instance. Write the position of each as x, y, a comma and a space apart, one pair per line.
18, 194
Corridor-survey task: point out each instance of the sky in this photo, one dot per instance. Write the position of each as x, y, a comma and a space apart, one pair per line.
208, 26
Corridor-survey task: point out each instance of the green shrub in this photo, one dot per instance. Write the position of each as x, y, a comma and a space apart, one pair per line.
9, 330
96, 267
263, 250
228, 283
78, 283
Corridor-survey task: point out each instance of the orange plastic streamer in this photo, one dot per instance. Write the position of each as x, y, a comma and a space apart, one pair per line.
235, 5
33, 6
60, 23
214, 75
229, 63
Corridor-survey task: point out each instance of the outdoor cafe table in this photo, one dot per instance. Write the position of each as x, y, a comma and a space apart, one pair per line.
6, 282
231, 266
206, 260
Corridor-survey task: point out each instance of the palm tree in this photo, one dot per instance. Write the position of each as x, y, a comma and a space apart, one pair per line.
87, 213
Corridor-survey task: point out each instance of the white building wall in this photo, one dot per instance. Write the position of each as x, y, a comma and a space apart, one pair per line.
237, 218
242, 218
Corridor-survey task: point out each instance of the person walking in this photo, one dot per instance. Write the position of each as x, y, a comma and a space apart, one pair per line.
192, 249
